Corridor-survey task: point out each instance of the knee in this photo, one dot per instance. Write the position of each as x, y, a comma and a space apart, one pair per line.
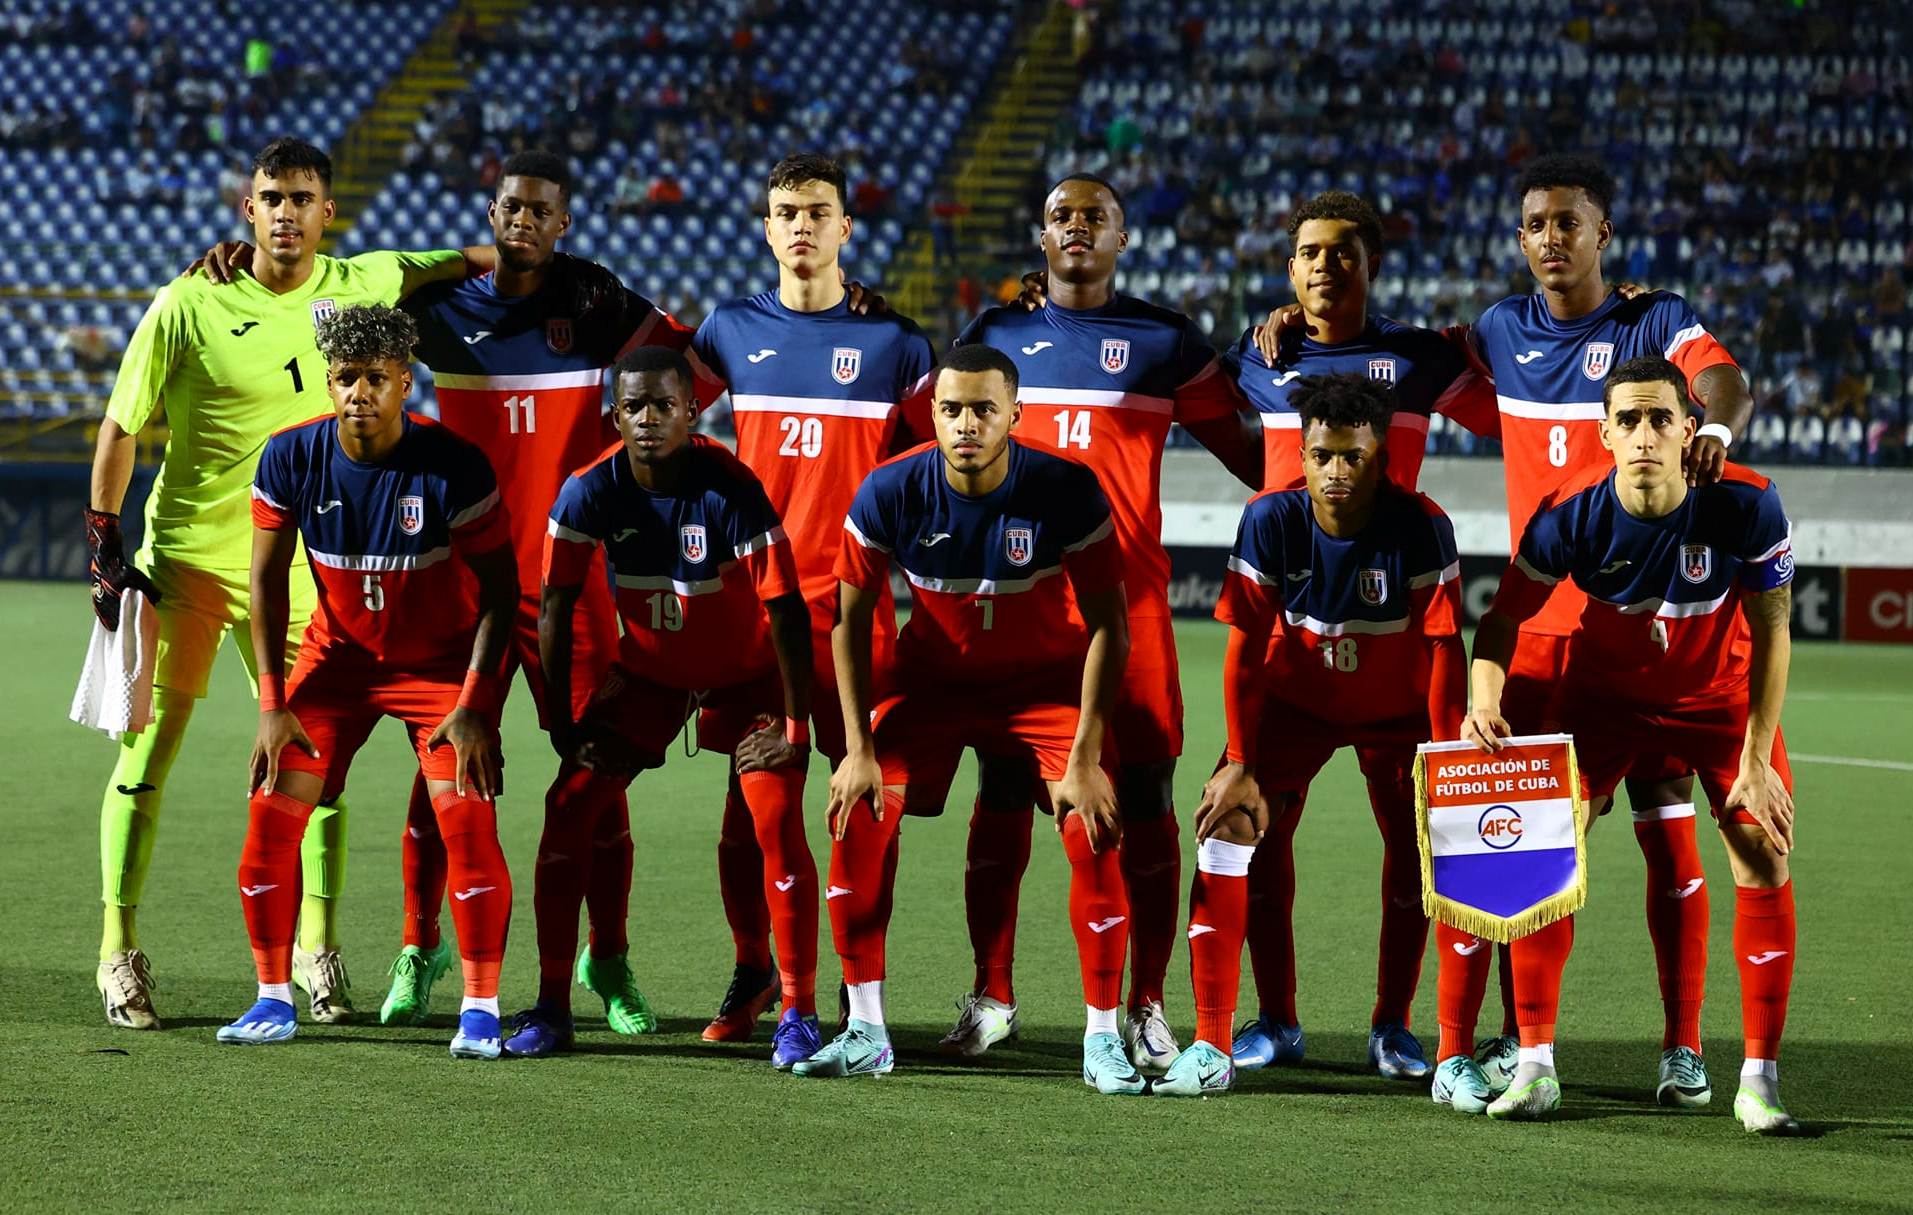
1146, 792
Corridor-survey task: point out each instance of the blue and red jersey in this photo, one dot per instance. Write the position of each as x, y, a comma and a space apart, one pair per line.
1350, 619
1660, 627
692, 569
994, 578
382, 537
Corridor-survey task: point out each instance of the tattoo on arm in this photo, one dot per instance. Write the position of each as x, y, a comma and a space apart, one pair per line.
1772, 608
1722, 387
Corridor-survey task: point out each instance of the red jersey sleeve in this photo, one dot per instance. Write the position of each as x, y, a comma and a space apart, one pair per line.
772, 566
1208, 395
1523, 591
1436, 582
1689, 346
267, 514
482, 526
1095, 563
572, 535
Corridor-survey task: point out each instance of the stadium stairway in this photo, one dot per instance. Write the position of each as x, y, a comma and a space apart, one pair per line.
375, 145
989, 179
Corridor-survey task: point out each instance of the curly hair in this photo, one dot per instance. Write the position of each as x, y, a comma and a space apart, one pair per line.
1343, 400
1349, 208
368, 333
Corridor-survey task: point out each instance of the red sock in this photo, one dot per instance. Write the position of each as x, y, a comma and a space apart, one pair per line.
1272, 912
1540, 958
863, 869
1510, 1023
1461, 980
608, 882
1764, 931
481, 888
999, 852
1099, 914
1218, 918
1152, 877
1404, 936
788, 879
421, 869
269, 880
1677, 915
573, 806
740, 882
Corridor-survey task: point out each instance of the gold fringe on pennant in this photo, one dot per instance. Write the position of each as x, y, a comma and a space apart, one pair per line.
1473, 920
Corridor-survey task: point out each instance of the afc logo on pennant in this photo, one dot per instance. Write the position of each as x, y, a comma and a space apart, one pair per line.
1597, 359
846, 364
1373, 587
1500, 827
691, 538
1697, 562
323, 311
558, 335
1382, 370
411, 514
1019, 544
1115, 355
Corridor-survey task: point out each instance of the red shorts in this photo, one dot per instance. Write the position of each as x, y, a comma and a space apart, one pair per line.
1146, 724
594, 646
1295, 745
826, 710
1531, 701
922, 731
1611, 740
650, 715
339, 700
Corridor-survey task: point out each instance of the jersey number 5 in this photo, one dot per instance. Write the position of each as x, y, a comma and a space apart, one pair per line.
374, 594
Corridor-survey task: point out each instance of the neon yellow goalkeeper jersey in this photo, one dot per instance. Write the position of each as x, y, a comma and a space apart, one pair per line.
229, 366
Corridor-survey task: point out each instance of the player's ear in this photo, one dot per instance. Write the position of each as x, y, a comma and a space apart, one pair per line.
1607, 439
1374, 266
327, 210
1122, 239
564, 222
1606, 231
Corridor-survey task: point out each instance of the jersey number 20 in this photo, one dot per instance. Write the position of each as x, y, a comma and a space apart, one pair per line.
802, 437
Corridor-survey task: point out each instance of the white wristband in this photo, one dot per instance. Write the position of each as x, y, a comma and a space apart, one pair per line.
1719, 431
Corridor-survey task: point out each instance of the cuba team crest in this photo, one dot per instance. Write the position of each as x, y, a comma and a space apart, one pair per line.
323, 311
1382, 370
558, 335
692, 540
411, 514
1373, 587
1596, 360
1697, 562
1019, 544
846, 364
1115, 355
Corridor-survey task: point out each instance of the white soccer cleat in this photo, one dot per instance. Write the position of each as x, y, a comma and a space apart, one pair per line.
981, 1023
1533, 1095
1147, 1038
126, 988
1758, 1107
322, 976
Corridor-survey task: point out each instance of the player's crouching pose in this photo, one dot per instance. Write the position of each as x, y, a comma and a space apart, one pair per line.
698, 557
1682, 650
384, 500
1000, 653
1344, 606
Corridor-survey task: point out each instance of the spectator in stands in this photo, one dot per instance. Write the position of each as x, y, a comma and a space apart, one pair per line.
1807, 436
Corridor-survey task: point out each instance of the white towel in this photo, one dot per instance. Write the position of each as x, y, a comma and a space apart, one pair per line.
115, 695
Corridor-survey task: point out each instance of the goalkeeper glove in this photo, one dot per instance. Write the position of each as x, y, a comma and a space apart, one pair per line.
111, 574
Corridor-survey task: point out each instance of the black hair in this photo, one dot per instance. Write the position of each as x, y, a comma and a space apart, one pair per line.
1343, 400
286, 155
1567, 172
368, 333
545, 166
1340, 204
969, 359
1094, 180
1648, 369
643, 359
801, 167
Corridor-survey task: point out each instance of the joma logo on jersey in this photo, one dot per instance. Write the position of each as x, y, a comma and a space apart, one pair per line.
558, 335
1115, 355
411, 514
1372, 585
1697, 562
1382, 370
846, 364
323, 311
1019, 544
1598, 357
691, 538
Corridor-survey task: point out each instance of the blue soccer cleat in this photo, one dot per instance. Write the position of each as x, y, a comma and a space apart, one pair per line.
1396, 1053
478, 1035
796, 1039
537, 1032
1265, 1042
265, 1022
862, 1049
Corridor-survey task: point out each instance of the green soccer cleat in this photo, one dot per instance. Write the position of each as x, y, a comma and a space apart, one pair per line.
1107, 1069
1758, 1107
410, 1000
1460, 1085
862, 1049
1533, 1095
611, 980
1498, 1058
1683, 1080
1203, 1070
322, 976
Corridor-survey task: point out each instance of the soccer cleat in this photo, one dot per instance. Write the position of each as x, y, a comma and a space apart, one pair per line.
1498, 1058
750, 993
1152, 1048
265, 1022
1459, 1084
126, 988
1108, 1070
413, 973
1683, 1079
862, 1049
1265, 1042
1533, 1094
478, 1035
1200, 1071
1396, 1053
796, 1039
611, 980
323, 977
981, 1023
1757, 1105
537, 1032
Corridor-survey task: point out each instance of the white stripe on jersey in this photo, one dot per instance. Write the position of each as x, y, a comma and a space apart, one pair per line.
1089, 398
664, 582
408, 561
1551, 411
475, 510
764, 402
982, 586
1250, 572
1108, 527
1534, 575
1322, 628
1691, 333
1293, 421
1671, 611
561, 532
1440, 577
1281, 421
1773, 552
851, 527
763, 541
590, 378
265, 497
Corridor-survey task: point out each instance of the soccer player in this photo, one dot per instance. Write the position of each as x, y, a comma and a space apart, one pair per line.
714, 627
1344, 606
1015, 646
384, 500
1103, 375
228, 367
1681, 650
819, 395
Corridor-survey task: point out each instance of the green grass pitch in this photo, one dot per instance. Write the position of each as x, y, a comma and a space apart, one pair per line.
360, 1117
